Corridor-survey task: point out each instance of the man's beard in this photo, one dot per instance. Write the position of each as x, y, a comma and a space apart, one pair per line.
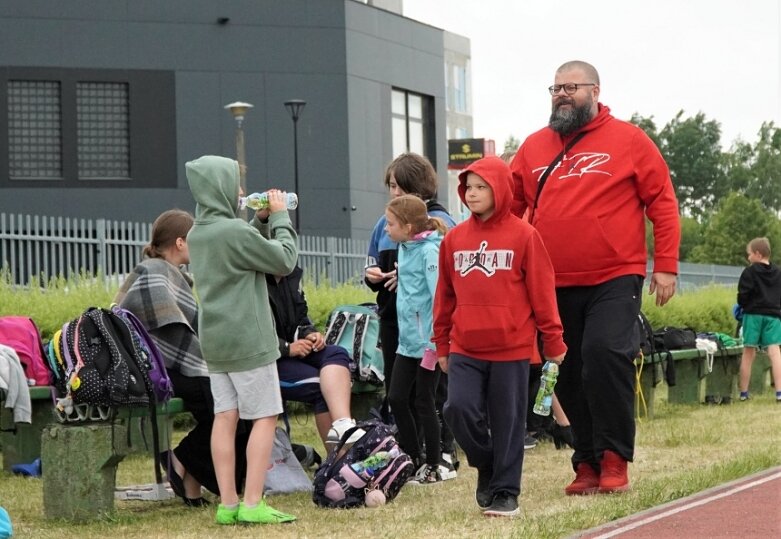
565, 121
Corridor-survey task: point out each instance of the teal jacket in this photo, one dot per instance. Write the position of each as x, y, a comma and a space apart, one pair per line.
229, 259
418, 272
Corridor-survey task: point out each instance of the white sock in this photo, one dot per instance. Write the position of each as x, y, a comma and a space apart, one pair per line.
343, 423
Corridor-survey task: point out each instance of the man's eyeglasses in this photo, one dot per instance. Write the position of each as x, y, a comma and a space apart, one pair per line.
569, 88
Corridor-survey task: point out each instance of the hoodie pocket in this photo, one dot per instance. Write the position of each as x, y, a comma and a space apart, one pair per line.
577, 244
485, 328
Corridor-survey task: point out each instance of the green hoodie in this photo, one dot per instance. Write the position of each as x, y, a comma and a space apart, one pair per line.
229, 259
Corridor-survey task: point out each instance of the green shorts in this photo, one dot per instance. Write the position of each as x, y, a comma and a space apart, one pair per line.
760, 330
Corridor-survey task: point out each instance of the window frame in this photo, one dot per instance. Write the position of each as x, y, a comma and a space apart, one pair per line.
427, 121
152, 127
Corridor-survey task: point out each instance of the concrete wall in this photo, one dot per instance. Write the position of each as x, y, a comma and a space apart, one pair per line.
340, 56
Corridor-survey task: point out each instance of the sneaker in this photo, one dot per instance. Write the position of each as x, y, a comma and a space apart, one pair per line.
504, 505
227, 515
530, 442
586, 481
451, 458
483, 495
614, 477
745, 397
337, 431
428, 474
262, 514
447, 469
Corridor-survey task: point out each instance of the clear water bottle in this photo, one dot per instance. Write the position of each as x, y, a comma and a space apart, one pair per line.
259, 201
544, 399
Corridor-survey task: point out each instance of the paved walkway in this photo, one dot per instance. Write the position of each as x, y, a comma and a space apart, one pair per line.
747, 508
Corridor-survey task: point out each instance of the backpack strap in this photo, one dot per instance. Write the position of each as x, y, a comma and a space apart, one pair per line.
550, 168
359, 335
335, 328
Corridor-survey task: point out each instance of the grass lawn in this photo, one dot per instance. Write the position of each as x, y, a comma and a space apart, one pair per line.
685, 449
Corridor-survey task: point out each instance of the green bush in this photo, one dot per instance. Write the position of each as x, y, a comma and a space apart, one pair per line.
53, 303
705, 309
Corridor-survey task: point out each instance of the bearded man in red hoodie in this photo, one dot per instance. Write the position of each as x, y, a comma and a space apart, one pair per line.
588, 181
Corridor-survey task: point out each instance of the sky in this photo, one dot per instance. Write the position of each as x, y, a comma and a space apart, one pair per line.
656, 57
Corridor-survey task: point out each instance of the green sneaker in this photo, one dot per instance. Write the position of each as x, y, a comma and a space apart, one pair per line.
227, 515
262, 514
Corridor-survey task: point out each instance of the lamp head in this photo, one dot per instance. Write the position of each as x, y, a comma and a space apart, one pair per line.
239, 109
294, 107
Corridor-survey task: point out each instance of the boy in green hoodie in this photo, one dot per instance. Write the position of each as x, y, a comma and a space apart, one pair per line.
230, 259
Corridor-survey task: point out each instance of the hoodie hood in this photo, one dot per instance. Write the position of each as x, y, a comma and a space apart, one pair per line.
496, 173
214, 182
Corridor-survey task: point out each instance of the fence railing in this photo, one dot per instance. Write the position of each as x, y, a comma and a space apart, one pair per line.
47, 247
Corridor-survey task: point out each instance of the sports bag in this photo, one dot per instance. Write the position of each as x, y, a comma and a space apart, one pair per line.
670, 338
356, 328
346, 475
21, 334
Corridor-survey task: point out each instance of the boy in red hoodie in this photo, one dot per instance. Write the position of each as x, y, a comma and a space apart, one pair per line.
495, 290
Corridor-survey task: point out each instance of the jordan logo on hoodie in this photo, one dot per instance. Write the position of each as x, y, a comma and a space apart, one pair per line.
486, 261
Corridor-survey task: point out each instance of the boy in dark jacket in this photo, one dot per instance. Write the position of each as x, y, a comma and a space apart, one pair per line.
309, 370
759, 294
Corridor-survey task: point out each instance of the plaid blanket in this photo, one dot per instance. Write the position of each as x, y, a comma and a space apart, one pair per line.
161, 296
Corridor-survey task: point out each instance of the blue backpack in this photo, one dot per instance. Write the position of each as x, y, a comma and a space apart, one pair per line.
356, 328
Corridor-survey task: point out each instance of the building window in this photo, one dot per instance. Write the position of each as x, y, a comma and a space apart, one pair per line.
87, 128
412, 124
102, 120
459, 89
34, 130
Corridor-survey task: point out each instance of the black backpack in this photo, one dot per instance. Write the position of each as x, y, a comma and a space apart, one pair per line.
342, 481
653, 348
111, 367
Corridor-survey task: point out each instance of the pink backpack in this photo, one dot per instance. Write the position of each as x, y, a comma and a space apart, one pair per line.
21, 334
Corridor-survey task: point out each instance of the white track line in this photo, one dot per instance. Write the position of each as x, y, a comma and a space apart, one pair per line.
686, 507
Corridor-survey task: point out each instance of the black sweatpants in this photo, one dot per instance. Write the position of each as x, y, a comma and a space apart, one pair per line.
486, 410
408, 376
597, 378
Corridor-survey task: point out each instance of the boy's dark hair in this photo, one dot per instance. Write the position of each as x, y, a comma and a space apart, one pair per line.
414, 174
761, 246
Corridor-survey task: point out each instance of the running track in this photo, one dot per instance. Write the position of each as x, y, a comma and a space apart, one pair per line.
747, 508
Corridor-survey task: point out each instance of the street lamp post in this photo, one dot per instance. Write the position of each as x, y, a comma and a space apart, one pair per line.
238, 109
294, 107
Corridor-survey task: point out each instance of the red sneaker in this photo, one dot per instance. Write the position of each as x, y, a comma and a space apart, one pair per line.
614, 477
586, 481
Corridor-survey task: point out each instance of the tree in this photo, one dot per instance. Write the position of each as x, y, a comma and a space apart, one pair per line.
512, 144
648, 125
766, 169
692, 150
736, 222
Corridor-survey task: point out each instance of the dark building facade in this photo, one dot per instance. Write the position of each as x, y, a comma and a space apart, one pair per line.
102, 103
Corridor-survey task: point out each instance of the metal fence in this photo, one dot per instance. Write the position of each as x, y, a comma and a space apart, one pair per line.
35, 247
46, 247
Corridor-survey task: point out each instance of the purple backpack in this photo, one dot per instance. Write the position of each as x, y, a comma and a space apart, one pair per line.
161, 383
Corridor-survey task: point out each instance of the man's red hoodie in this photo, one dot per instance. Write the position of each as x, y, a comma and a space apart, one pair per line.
496, 281
592, 209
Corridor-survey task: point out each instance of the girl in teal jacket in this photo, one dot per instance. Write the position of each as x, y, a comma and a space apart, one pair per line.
419, 236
